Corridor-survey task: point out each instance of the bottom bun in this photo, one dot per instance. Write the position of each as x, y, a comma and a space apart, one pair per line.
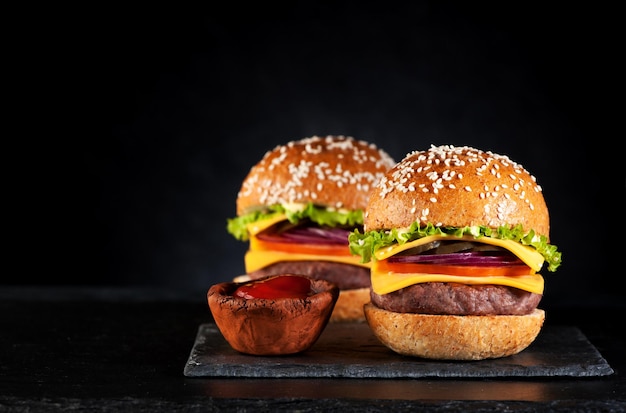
451, 337
349, 305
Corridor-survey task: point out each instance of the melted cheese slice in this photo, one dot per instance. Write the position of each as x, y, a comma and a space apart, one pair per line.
527, 254
386, 282
257, 258
256, 227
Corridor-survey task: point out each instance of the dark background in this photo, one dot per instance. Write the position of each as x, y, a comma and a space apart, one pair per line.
167, 109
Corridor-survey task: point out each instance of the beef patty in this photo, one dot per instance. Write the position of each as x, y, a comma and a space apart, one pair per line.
346, 276
458, 299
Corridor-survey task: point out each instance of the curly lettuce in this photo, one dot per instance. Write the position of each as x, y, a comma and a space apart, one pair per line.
323, 216
366, 244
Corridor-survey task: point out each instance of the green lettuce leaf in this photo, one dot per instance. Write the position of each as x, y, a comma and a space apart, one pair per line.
366, 244
322, 216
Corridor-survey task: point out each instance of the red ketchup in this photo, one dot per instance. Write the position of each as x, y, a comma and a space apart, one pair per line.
281, 286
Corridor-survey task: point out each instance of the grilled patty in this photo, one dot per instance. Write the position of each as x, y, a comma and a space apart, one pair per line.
458, 299
346, 276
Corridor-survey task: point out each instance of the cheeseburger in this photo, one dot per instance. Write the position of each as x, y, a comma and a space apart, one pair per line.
456, 237
297, 206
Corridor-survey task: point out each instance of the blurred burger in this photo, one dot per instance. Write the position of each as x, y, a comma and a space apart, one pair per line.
456, 237
297, 206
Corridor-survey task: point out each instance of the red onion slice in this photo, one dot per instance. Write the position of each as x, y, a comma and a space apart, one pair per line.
477, 258
309, 235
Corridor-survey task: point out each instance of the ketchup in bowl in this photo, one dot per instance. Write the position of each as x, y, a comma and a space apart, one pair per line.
281, 286
279, 314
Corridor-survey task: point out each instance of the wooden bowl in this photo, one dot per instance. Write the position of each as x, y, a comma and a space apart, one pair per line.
264, 327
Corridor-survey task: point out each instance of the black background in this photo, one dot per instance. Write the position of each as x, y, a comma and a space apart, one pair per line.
154, 117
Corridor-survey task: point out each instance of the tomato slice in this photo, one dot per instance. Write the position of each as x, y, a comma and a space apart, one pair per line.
463, 270
301, 248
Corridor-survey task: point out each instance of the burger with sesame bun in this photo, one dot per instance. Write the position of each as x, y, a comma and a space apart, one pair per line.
297, 206
456, 237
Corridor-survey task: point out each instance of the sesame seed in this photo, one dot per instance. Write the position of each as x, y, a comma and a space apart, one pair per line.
437, 166
292, 190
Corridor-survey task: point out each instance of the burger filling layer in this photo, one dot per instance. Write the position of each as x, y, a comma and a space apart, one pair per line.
458, 299
346, 276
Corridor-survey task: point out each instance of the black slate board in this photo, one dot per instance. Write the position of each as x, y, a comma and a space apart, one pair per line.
351, 350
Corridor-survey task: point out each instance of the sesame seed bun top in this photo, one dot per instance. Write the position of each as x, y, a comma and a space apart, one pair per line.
457, 186
333, 171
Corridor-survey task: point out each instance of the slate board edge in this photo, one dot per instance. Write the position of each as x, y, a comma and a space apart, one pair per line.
195, 369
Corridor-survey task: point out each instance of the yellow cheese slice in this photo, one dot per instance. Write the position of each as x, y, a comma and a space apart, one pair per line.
386, 282
527, 254
255, 258
256, 227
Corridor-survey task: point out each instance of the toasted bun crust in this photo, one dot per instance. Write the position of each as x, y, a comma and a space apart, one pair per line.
447, 337
333, 171
457, 186
349, 305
